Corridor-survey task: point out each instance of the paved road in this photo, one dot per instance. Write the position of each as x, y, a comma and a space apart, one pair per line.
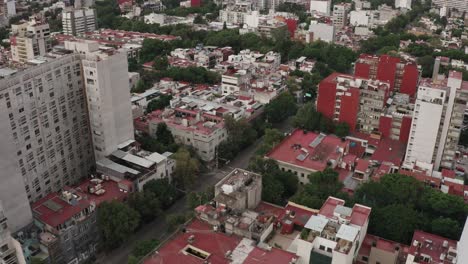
157, 228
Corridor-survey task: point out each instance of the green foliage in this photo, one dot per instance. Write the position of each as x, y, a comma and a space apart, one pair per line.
187, 167
297, 9
199, 20
141, 249
446, 227
116, 222
463, 138
396, 221
37, 260
160, 63
305, 233
107, 12
163, 190
195, 199
159, 103
175, 220
280, 108
162, 141
271, 138
341, 129
321, 185
4, 34
241, 134
147, 204
419, 50
141, 86
427, 65
401, 204
277, 185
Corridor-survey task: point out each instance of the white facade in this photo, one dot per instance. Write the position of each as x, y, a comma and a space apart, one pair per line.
324, 32
437, 122
10, 7
359, 18
463, 245
108, 93
406, 4
46, 138
428, 112
320, 6
29, 40
10, 249
78, 21
340, 16
233, 83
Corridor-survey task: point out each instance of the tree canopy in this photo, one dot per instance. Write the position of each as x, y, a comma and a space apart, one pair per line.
116, 222
280, 108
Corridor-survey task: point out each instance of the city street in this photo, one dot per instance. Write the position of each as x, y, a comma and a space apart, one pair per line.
157, 228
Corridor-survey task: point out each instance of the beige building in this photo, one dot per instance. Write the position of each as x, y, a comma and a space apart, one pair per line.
10, 249
30, 39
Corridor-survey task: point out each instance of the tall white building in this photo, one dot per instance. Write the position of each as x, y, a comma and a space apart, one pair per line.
340, 15
10, 249
78, 21
30, 39
107, 89
321, 31
463, 245
437, 122
9, 8
406, 4
46, 137
320, 6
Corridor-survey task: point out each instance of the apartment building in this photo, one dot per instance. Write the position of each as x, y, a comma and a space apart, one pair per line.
202, 131
236, 14
405, 4
402, 74
303, 153
235, 81
67, 220
395, 121
29, 39
340, 15
356, 101
322, 7
460, 5
105, 73
10, 249
138, 166
337, 232
437, 121
47, 135
78, 21
321, 31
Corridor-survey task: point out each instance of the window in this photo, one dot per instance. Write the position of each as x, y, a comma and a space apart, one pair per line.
322, 247
329, 250
364, 258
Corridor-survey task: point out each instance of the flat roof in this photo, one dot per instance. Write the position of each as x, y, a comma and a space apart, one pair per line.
105, 162
317, 223
347, 232
308, 149
216, 245
133, 159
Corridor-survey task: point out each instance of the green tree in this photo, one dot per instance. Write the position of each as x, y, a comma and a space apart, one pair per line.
147, 204
175, 220
141, 249
280, 108
342, 129
187, 167
160, 63
195, 199
164, 135
446, 227
199, 20
396, 222
271, 138
427, 65
116, 222
159, 103
166, 193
